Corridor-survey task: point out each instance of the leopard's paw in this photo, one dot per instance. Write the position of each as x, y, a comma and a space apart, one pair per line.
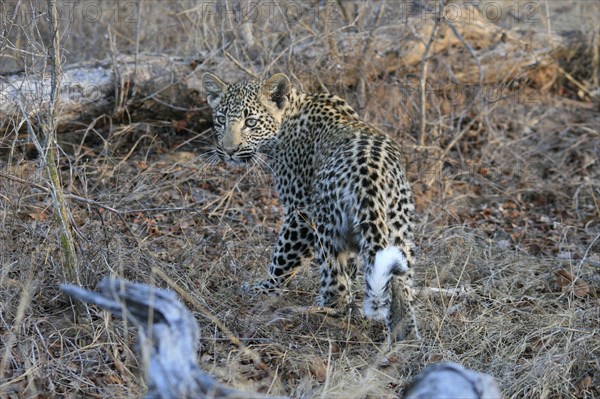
320, 301
328, 300
261, 287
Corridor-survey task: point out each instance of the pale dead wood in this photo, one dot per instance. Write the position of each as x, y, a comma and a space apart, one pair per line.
151, 86
459, 292
451, 380
168, 335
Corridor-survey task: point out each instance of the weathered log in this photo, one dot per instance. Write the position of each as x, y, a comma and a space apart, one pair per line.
149, 87
168, 338
451, 380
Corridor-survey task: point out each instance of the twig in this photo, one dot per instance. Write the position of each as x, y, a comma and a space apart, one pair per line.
23, 181
587, 250
118, 81
49, 155
470, 50
455, 140
94, 202
311, 310
365, 60
548, 25
423, 81
26, 296
213, 319
436, 291
239, 65
138, 6
571, 79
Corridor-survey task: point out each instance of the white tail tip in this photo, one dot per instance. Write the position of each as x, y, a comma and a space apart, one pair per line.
377, 298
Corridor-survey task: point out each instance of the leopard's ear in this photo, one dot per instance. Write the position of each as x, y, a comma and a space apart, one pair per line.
214, 87
276, 90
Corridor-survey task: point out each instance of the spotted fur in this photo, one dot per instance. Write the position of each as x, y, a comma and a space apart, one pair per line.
341, 182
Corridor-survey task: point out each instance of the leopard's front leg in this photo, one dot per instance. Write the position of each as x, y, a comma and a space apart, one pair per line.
295, 243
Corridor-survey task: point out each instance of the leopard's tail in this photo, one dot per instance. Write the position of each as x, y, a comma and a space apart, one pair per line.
389, 261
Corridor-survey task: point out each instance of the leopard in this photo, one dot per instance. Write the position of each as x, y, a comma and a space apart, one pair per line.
341, 182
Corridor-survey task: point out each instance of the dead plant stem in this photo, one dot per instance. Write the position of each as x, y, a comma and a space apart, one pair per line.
49, 152
423, 80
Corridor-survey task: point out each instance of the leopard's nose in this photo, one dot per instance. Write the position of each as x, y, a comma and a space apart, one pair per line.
231, 150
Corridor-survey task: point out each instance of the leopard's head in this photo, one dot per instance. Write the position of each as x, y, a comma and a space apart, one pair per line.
246, 115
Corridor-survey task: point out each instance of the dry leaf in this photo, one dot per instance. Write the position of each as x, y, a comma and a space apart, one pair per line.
393, 359
114, 379
568, 283
581, 288
142, 165
582, 386
563, 278
319, 370
180, 125
435, 358
38, 216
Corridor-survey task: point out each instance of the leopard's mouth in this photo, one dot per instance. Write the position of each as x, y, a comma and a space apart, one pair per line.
236, 159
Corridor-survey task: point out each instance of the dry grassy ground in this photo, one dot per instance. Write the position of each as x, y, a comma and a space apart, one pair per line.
508, 197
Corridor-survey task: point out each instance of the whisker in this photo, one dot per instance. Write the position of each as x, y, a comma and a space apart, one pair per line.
207, 162
263, 171
265, 167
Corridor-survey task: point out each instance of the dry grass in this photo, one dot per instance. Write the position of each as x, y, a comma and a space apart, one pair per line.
514, 200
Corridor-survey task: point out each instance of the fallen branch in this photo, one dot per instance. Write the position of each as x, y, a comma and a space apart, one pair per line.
168, 335
148, 87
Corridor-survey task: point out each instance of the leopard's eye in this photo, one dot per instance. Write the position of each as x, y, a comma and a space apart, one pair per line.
251, 122
221, 119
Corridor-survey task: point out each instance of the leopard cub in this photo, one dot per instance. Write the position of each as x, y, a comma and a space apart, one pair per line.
341, 183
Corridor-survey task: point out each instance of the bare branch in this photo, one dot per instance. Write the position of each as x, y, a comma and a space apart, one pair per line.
168, 334
423, 83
